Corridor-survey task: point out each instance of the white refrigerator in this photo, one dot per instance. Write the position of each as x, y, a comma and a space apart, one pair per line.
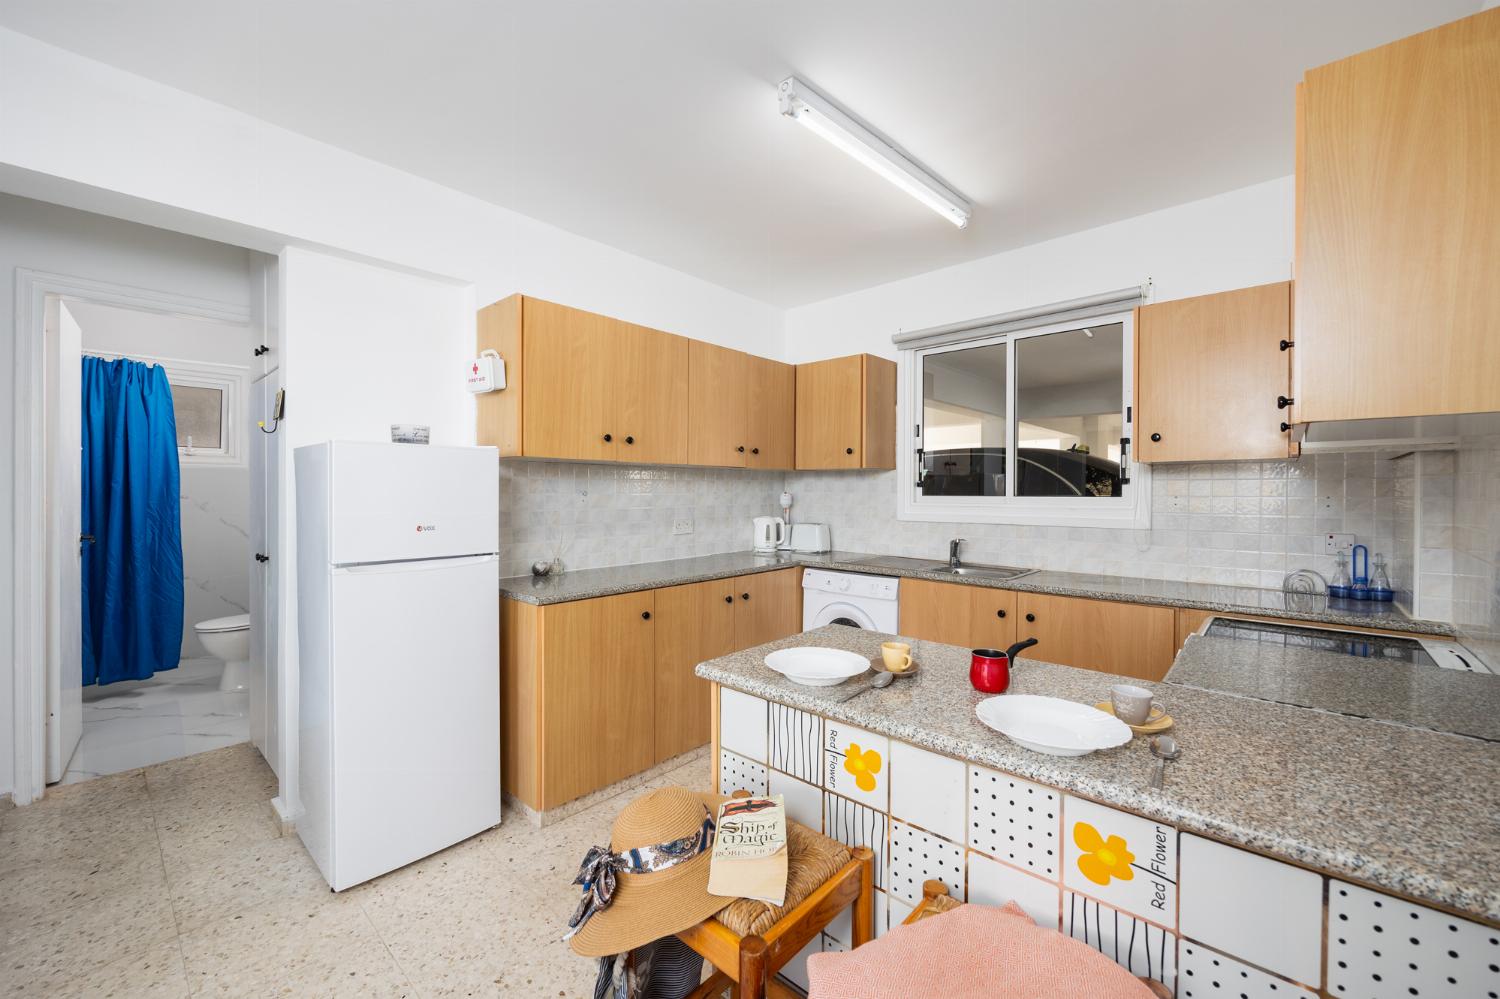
398, 641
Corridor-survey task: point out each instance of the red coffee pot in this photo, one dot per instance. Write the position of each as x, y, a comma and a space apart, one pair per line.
989, 669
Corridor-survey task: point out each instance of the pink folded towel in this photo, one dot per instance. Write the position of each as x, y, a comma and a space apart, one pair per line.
973, 951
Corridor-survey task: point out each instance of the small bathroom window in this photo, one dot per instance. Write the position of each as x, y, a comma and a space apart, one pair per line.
208, 403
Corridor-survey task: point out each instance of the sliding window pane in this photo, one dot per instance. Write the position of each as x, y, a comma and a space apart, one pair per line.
963, 422
1070, 412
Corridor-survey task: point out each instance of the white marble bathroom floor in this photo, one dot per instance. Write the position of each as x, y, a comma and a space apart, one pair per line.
174, 714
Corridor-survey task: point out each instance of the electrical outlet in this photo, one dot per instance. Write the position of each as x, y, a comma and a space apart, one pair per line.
1335, 543
682, 527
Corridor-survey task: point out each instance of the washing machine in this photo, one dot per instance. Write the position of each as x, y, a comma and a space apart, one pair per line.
850, 598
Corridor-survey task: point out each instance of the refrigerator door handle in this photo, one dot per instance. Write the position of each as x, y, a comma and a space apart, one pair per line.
413, 565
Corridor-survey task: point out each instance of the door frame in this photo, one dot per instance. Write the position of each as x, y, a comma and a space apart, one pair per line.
28, 601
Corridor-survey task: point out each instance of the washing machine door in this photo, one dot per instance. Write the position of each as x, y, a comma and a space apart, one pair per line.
841, 612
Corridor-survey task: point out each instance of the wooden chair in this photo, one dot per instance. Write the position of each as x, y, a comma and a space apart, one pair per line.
937, 900
749, 962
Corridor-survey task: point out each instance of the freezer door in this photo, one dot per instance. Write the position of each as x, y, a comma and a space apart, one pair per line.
411, 501
415, 712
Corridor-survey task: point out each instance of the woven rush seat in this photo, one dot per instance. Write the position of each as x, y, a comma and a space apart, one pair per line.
812, 859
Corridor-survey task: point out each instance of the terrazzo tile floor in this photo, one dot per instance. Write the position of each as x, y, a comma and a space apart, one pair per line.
171, 881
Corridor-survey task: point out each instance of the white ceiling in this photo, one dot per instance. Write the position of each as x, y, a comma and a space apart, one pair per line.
652, 125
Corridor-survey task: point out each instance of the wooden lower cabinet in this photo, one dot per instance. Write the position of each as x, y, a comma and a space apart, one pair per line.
593, 691
959, 614
693, 623
597, 706
768, 606
1135, 640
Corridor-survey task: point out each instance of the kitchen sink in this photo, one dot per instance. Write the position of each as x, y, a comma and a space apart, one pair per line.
975, 570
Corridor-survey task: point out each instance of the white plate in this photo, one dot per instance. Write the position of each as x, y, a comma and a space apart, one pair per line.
814, 667
1052, 725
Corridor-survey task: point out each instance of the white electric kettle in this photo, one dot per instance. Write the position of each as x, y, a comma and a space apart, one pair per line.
770, 533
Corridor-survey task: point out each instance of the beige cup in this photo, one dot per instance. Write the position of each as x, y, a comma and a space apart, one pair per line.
897, 656
1132, 704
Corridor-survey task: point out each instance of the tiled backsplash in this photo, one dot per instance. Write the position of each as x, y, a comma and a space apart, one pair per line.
1246, 523
1476, 538
608, 514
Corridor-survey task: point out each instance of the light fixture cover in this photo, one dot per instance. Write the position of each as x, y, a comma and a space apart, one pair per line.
802, 103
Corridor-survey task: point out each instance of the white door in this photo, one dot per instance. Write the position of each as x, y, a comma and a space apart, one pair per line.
64, 580
265, 476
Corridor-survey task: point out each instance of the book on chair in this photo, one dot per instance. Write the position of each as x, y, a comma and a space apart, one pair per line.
750, 854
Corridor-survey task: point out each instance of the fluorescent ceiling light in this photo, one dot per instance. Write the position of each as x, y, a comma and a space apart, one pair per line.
806, 105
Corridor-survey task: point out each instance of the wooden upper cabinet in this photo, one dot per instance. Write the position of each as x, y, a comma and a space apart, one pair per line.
768, 606
1398, 228
1209, 371
568, 398
650, 418
772, 418
1134, 640
582, 386
719, 401
846, 413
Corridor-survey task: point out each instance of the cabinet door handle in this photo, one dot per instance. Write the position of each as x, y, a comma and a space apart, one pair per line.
729, 599
629, 440
754, 450
741, 449
1031, 617
608, 438
1285, 426
258, 556
848, 450
744, 596
1282, 402
1156, 438
999, 613
1288, 344
645, 615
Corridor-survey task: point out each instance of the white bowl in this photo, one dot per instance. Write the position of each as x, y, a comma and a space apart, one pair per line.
815, 667
1052, 725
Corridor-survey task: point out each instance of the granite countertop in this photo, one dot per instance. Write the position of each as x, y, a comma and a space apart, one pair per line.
1407, 810
581, 584
1442, 700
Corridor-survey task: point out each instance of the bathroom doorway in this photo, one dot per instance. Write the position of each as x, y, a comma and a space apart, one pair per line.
163, 538
148, 499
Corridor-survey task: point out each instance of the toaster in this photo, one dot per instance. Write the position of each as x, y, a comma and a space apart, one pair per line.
811, 538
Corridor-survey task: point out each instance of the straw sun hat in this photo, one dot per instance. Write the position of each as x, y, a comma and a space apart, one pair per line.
648, 905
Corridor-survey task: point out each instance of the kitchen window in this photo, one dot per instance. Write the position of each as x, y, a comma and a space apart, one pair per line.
1025, 424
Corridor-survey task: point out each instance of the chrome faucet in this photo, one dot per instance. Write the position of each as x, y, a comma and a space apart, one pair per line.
953, 559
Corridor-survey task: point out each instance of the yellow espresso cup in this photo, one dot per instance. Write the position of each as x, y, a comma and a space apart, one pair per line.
897, 656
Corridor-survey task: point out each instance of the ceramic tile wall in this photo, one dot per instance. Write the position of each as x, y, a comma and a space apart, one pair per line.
1246, 523
215, 505
610, 514
1476, 538
1433, 545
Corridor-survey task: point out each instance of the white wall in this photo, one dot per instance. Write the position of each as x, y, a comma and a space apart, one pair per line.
85, 132
363, 347
1233, 240
215, 498
58, 240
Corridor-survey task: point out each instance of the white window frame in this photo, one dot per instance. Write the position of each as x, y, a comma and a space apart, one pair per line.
230, 379
1131, 510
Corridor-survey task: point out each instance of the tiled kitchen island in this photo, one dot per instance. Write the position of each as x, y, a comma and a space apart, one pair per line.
1278, 824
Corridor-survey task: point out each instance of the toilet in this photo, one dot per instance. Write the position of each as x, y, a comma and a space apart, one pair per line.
228, 638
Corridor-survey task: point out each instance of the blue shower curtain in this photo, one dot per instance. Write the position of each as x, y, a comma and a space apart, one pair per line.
132, 573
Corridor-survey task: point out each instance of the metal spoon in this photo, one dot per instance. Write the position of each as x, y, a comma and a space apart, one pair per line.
883, 680
1165, 749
